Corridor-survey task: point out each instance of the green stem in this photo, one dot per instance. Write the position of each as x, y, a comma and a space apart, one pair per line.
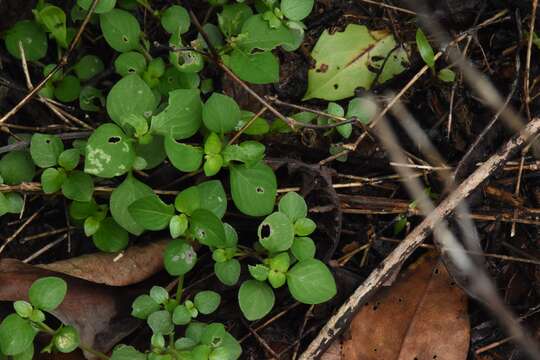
147, 6
180, 288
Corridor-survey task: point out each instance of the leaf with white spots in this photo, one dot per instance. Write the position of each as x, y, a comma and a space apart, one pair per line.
207, 228
109, 152
179, 257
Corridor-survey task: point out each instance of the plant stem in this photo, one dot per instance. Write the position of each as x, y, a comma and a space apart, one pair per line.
180, 288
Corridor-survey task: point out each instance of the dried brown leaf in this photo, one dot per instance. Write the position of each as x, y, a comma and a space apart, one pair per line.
422, 316
135, 265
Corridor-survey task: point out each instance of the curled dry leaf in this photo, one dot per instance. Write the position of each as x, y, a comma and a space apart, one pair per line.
135, 265
99, 312
422, 316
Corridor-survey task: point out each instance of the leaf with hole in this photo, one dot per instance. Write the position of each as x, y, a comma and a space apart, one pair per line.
184, 157
45, 149
130, 62
110, 236
257, 68
129, 191
78, 186
220, 113
256, 299
253, 189
109, 152
130, 96
120, 29
179, 257
276, 232
151, 212
311, 282
207, 228
182, 117
32, 37
344, 61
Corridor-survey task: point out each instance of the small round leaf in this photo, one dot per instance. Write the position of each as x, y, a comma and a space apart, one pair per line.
47, 293
179, 257
256, 299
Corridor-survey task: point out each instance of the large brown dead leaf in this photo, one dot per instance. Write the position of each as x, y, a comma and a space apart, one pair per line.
422, 316
137, 264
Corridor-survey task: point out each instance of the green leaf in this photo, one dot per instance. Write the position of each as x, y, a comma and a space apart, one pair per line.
54, 20
153, 152
293, 205
207, 301
160, 322
228, 272
16, 335
12, 203
68, 89
304, 227
143, 306
182, 118
110, 237
296, 9
232, 17
47, 293
52, 180
259, 272
208, 195
78, 186
362, 108
178, 225
256, 299
125, 352
253, 189
130, 62
446, 75
337, 110
220, 113
120, 29
91, 225
258, 68
130, 95
181, 315
184, 157
103, 6
88, 67
109, 152
174, 79
33, 38
207, 228
213, 163
258, 127
175, 19
91, 99
257, 34
129, 191
179, 257
66, 339
303, 248
23, 308
184, 343
343, 62
276, 232
159, 294
310, 282
151, 213
17, 167
425, 49
45, 149
248, 152
69, 159
81, 210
